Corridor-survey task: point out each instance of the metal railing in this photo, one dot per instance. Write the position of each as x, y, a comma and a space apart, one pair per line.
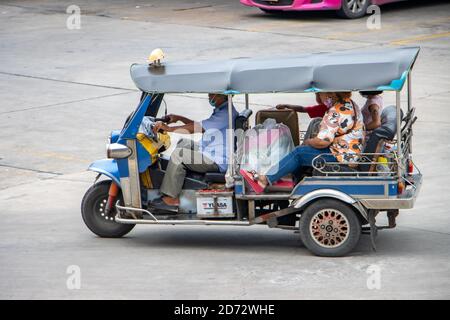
364, 164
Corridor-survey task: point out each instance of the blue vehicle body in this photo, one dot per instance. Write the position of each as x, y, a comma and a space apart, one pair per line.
107, 167
118, 168
355, 187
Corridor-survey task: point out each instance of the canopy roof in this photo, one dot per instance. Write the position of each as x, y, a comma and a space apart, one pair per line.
384, 69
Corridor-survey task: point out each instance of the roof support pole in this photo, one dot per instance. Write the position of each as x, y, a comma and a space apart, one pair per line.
399, 135
230, 133
409, 90
246, 101
409, 109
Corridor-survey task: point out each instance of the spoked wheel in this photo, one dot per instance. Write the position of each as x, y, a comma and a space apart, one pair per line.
352, 9
329, 228
94, 216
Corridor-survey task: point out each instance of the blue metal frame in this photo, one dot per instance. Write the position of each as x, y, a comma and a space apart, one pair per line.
116, 169
353, 186
115, 134
396, 84
130, 131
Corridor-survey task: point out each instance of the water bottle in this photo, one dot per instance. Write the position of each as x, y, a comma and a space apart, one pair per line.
383, 166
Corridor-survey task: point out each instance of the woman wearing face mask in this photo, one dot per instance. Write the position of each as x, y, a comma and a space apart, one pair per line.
341, 137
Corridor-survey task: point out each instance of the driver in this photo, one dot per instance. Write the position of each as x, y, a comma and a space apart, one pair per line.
209, 155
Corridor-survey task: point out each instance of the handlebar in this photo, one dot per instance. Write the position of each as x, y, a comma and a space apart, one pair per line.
163, 119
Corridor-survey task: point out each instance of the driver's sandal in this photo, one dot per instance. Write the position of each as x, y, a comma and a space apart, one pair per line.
160, 205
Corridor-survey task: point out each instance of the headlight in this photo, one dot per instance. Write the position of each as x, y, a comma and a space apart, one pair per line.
117, 151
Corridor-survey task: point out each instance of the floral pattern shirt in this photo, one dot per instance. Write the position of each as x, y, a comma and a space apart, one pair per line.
343, 126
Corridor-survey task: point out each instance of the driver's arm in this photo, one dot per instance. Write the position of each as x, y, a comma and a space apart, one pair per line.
293, 107
191, 127
175, 118
188, 128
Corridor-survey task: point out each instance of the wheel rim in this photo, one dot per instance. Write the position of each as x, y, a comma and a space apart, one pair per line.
99, 210
329, 228
356, 6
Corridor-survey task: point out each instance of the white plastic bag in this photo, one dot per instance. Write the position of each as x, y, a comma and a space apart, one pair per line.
265, 145
146, 126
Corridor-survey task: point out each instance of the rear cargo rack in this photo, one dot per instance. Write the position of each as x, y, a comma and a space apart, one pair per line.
364, 165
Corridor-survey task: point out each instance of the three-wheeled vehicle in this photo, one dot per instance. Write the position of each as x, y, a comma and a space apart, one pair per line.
330, 206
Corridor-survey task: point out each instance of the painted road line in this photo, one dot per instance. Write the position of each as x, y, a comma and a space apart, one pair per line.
420, 38
387, 27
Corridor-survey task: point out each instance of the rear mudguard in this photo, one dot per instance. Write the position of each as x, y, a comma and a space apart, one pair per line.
329, 193
107, 167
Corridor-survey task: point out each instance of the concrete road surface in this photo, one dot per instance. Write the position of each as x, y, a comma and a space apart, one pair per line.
62, 91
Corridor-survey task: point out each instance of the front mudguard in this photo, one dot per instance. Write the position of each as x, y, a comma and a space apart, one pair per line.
107, 167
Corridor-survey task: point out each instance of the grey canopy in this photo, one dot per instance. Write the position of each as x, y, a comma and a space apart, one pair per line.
384, 69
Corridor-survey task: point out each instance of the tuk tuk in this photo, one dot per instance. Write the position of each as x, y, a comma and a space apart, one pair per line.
330, 206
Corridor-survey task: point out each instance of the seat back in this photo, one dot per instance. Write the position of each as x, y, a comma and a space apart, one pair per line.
388, 127
386, 131
287, 117
241, 121
241, 125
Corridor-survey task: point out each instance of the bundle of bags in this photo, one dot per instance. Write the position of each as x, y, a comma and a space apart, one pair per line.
264, 146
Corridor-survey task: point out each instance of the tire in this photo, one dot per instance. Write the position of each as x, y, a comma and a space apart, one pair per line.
91, 211
336, 242
272, 12
353, 9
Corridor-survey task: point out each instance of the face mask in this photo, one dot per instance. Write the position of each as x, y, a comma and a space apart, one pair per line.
328, 102
212, 102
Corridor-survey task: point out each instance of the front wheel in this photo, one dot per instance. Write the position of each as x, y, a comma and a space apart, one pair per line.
93, 212
330, 228
353, 9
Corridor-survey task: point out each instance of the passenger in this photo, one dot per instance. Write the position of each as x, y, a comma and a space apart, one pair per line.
210, 155
341, 134
371, 110
315, 112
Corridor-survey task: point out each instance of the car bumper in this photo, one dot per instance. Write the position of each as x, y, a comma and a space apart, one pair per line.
293, 5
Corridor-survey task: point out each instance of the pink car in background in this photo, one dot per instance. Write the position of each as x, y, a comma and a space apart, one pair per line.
345, 8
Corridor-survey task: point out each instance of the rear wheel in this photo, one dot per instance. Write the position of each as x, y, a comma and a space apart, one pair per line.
94, 216
353, 9
330, 228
